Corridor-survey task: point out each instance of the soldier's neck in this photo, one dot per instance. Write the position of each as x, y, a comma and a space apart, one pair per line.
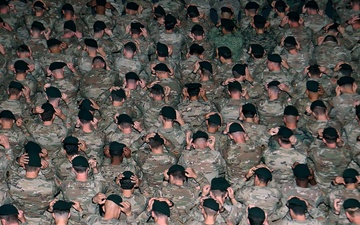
204, 78
291, 126
212, 130
31, 175
162, 221
168, 125
302, 184
157, 151
61, 221
117, 104
209, 220
127, 193
351, 187
20, 76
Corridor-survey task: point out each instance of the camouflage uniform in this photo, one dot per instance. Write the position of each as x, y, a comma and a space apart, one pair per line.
6, 158
233, 41
193, 111
337, 52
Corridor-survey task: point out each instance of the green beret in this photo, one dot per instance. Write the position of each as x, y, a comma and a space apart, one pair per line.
220, 184
312, 86
53, 92
80, 161
235, 127
115, 199
8, 210
211, 204
291, 111
7, 114
301, 171
161, 207
264, 173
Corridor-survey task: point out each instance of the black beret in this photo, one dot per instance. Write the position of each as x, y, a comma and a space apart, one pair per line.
175, 168
17, 85
132, 6
206, 66
290, 40
330, 131
239, 69
252, 5
91, 42
301, 171
23, 48
71, 140
37, 24
350, 173
47, 107
39, 4
346, 66
115, 199
159, 10
116, 148
197, 27
257, 49
7, 114
136, 25
228, 24
215, 119
312, 5
131, 45
86, 104
273, 83
162, 50
193, 9
85, 115
53, 42
211, 204
131, 76
168, 112
128, 175
124, 118
34, 159
317, 103
56, 65
226, 10
248, 107
158, 138
162, 67
99, 25
4, 2
193, 86
291, 111
312, 86
68, 7
235, 127
351, 203
258, 19
264, 173
61, 205
224, 51
220, 184
170, 19
285, 132
256, 212
236, 85
100, 2
21, 65
200, 134
197, 48
53, 92
120, 93
70, 25
293, 16
296, 202
274, 58
161, 207
345, 80
158, 88
8, 209
80, 161
32, 147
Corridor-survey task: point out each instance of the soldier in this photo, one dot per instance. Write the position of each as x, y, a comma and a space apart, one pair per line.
22, 72
314, 17
105, 38
60, 212
197, 35
10, 215
7, 157
256, 216
210, 210
351, 206
225, 62
129, 61
201, 154
159, 210
251, 10
213, 122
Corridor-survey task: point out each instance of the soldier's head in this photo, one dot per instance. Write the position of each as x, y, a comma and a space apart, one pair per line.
34, 165
192, 12
159, 14
80, 166
126, 183
23, 51
280, 6
290, 43
132, 80
333, 29
7, 119
48, 114
237, 133
124, 122
15, 90
352, 209
347, 85
160, 210
54, 45
53, 94
9, 215
294, 19
135, 29
98, 63
349, 176
355, 4
67, 11
69, 28
256, 51
61, 211
112, 206
85, 117
115, 152
248, 111
312, 7
312, 88
91, 45
235, 89
206, 69
318, 108
129, 50
162, 50
4, 7
157, 92
57, 69
273, 88
162, 71
314, 71
214, 121
199, 140
330, 136
131, 8
223, 54
193, 89
262, 176
118, 95
167, 114
301, 174
274, 62
197, 50
71, 145
21, 67
170, 22
156, 142
239, 71
346, 69
284, 135
99, 28
176, 174
227, 26
259, 22
256, 216
198, 32
251, 8
210, 208
100, 7
219, 189
39, 7
297, 207
291, 115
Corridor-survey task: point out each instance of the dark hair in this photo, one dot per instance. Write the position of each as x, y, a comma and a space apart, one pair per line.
298, 210
116, 98
80, 169
319, 110
255, 220
198, 32
71, 149
10, 218
14, 91
47, 115
126, 184
179, 175
61, 212
314, 70
154, 143
350, 181
30, 168
130, 48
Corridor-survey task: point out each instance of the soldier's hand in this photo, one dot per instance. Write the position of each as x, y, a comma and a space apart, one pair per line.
44, 153
127, 152
93, 163
108, 32
134, 179
26, 91
94, 123
137, 126
31, 67
144, 32
51, 204
205, 190
203, 94
188, 138
285, 64
274, 131
19, 122
4, 141
166, 175
337, 206
228, 80
231, 193
338, 90
294, 165
21, 216
63, 45
82, 145
77, 206
23, 160
190, 173
94, 104
58, 112
211, 142
126, 208
2, 49
358, 179
44, 164
263, 166
78, 34
142, 83
339, 180
185, 93
293, 139
284, 21
99, 198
